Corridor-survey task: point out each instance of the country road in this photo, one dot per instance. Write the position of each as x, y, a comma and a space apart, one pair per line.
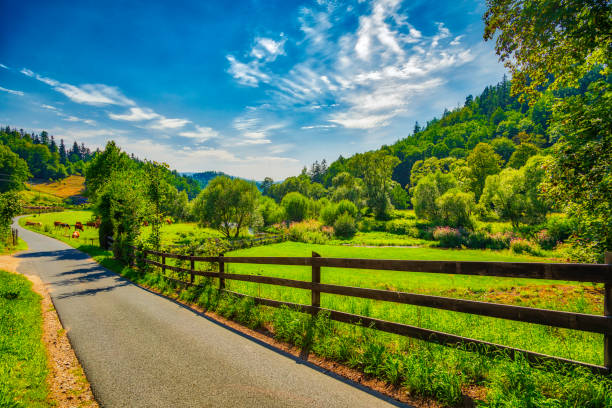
139, 349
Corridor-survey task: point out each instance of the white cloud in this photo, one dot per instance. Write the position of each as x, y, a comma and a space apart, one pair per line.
53, 108
361, 79
247, 74
135, 114
11, 91
268, 49
87, 94
201, 133
318, 127
168, 123
4, 66
69, 118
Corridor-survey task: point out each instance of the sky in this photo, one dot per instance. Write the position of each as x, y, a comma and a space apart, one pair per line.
254, 88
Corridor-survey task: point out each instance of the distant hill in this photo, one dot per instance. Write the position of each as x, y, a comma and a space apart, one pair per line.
204, 178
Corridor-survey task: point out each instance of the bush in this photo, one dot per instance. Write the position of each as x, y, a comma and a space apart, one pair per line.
482, 239
455, 208
523, 246
310, 232
402, 227
560, 228
346, 206
328, 214
545, 240
370, 224
344, 226
448, 237
296, 206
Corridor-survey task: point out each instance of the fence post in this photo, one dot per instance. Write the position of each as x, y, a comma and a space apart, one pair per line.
608, 314
316, 278
221, 272
192, 267
163, 268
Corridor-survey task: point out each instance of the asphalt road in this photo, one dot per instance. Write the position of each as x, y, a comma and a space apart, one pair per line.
139, 349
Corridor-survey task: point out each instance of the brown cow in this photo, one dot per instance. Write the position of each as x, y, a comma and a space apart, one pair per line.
76, 234
78, 226
36, 224
57, 224
168, 221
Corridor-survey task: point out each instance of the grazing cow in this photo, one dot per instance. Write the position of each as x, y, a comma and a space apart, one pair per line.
57, 224
36, 224
168, 221
64, 225
78, 226
76, 234
90, 224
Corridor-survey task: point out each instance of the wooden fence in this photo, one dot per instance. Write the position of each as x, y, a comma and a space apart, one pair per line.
596, 273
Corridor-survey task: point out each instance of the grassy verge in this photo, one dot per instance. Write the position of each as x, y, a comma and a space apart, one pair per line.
23, 363
21, 246
417, 367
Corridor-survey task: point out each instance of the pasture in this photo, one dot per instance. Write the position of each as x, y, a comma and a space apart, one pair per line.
420, 367
87, 236
68, 187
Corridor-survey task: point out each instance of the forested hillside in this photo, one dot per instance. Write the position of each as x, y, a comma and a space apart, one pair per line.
29, 155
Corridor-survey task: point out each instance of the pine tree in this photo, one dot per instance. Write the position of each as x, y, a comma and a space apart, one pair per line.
53, 146
44, 138
62, 152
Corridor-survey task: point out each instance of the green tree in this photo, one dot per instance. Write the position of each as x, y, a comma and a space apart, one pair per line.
13, 170
505, 193
482, 162
228, 205
10, 206
455, 208
295, 205
376, 168
537, 39
504, 147
103, 166
428, 190
522, 153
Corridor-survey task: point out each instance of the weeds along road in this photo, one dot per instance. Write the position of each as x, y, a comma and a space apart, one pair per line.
139, 349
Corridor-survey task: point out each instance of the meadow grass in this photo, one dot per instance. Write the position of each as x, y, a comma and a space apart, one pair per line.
64, 188
380, 238
23, 361
419, 367
64, 234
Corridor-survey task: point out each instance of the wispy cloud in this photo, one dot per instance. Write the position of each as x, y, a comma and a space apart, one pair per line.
87, 94
66, 117
364, 78
164, 123
267, 48
11, 91
135, 114
4, 66
200, 133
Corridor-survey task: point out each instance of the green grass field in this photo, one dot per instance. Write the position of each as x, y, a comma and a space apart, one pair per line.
23, 361
421, 368
87, 236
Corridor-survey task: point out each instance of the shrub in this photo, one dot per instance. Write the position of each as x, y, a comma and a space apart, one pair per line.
328, 214
483, 239
402, 227
310, 232
522, 246
346, 206
560, 228
370, 224
296, 206
448, 237
545, 240
344, 226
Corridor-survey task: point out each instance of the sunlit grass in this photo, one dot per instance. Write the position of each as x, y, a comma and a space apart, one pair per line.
23, 361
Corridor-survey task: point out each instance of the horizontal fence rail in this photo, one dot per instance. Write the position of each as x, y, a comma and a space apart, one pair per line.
599, 273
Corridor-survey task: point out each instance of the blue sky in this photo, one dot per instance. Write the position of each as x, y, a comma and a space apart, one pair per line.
253, 88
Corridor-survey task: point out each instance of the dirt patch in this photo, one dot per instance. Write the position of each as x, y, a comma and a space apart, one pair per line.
68, 386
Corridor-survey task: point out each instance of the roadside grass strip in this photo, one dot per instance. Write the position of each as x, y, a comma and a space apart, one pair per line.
23, 360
